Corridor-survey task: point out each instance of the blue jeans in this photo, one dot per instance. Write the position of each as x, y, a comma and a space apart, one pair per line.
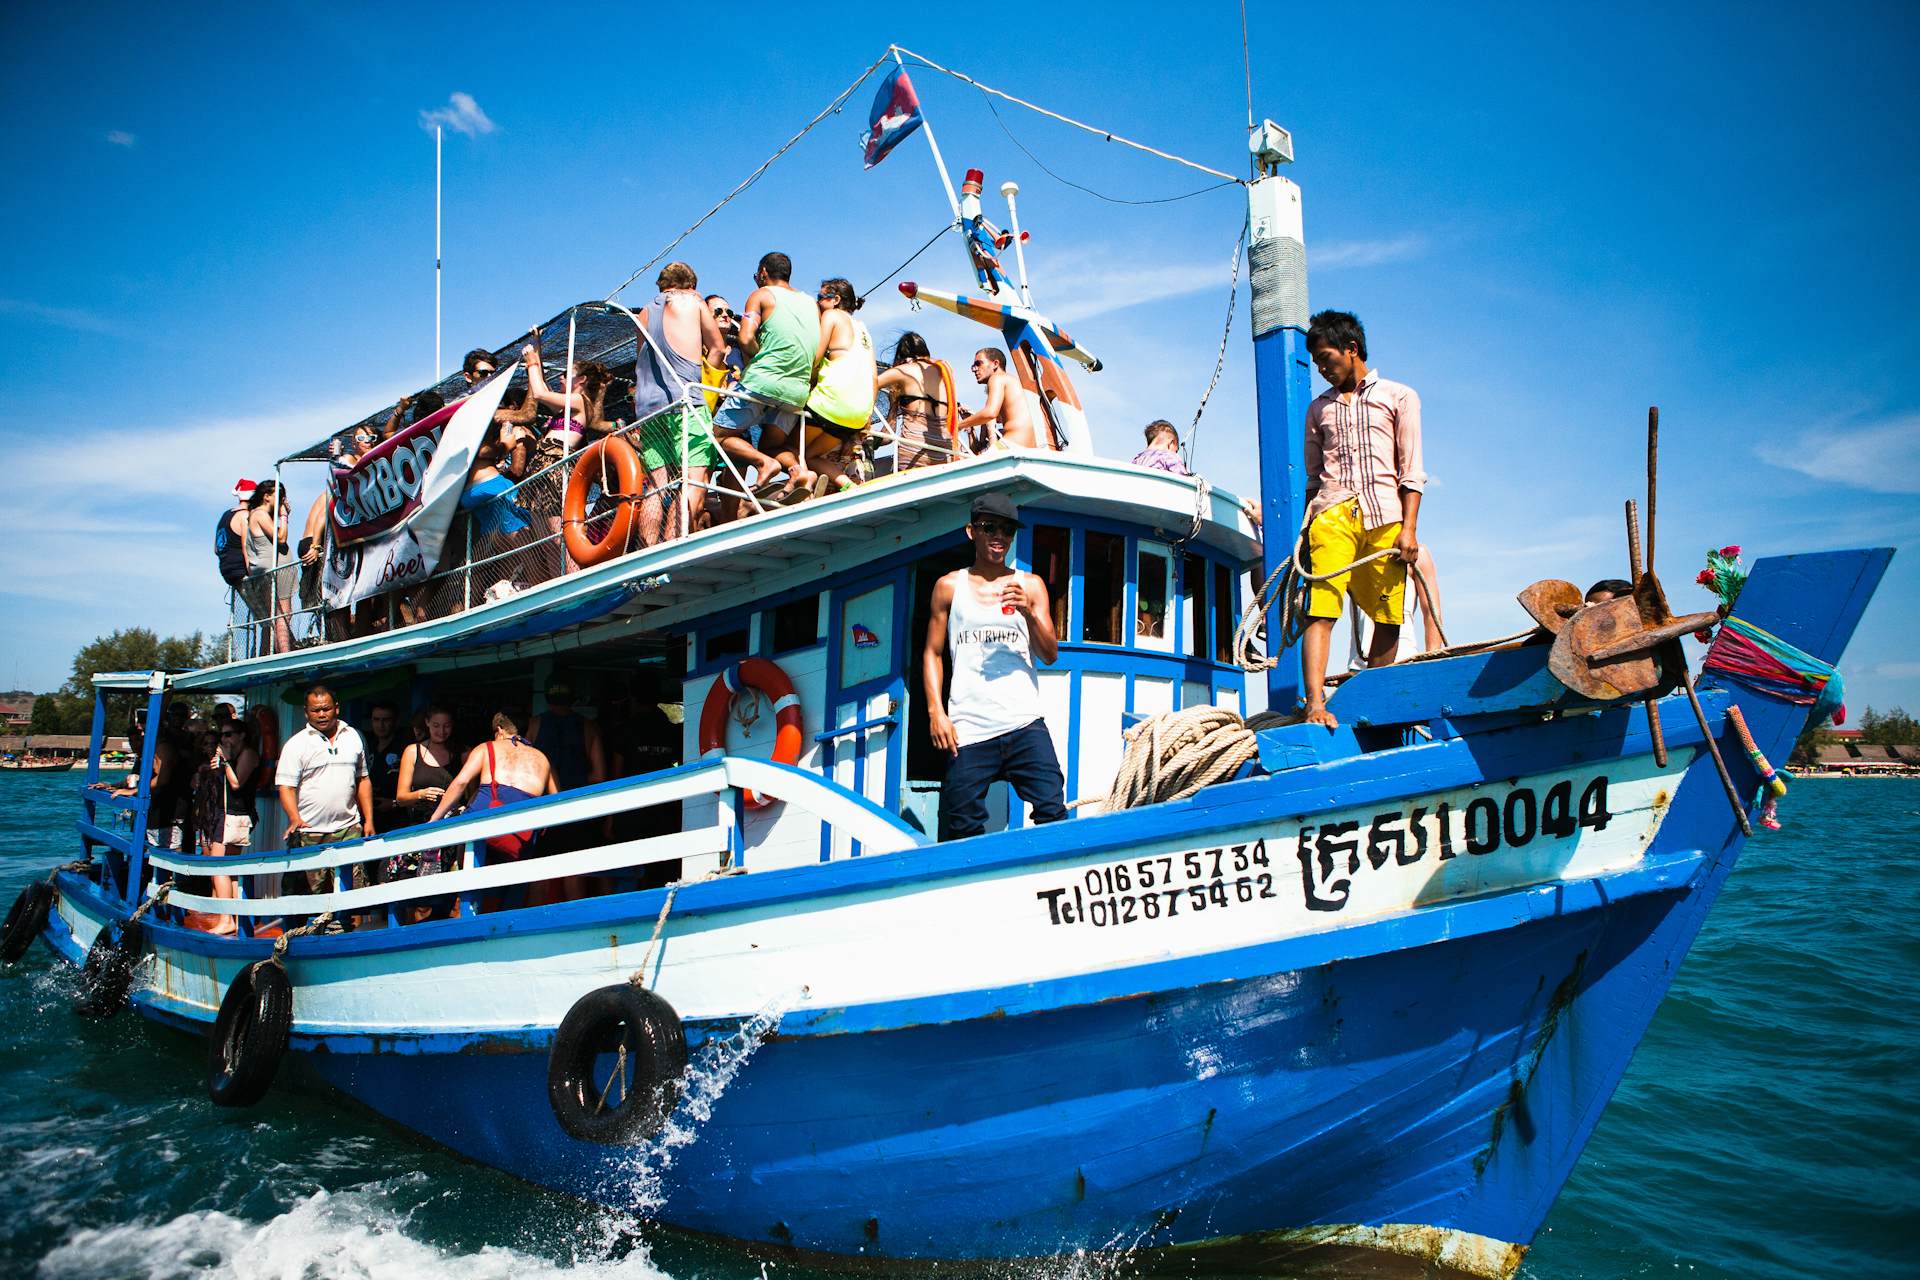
1024, 758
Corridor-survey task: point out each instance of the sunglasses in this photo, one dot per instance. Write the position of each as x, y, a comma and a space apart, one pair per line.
722, 313
484, 371
1000, 527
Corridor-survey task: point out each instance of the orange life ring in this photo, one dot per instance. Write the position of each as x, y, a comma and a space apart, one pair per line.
611, 459
769, 679
953, 402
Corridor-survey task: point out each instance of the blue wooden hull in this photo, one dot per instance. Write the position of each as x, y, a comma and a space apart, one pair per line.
1449, 1086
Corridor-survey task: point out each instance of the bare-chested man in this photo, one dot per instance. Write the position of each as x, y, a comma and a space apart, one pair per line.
681, 334
1006, 405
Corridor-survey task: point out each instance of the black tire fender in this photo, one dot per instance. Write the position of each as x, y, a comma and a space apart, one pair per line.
250, 1035
580, 1065
25, 919
107, 975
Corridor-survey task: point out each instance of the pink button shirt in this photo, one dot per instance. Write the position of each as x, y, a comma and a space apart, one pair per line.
1365, 445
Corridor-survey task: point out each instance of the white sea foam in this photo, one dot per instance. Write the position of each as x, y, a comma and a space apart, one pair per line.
359, 1234
710, 1069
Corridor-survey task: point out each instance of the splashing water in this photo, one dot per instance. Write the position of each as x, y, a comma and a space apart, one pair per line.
358, 1234
710, 1069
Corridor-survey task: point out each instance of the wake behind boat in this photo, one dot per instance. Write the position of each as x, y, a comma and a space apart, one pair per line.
1282, 997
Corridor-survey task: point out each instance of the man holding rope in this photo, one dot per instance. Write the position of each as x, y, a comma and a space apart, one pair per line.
1364, 481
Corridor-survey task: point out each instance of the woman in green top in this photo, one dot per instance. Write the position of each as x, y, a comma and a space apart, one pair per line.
779, 334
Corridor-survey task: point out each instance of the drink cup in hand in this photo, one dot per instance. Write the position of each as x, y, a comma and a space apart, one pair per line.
1008, 593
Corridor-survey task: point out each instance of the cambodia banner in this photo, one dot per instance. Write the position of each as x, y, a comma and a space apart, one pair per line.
388, 514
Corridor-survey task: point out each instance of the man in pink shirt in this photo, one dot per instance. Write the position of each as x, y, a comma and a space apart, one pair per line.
1364, 481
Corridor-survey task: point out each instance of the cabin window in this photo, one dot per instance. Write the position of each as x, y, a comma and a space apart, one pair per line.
718, 646
1053, 565
1223, 619
1193, 590
1106, 587
866, 637
1151, 593
796, 624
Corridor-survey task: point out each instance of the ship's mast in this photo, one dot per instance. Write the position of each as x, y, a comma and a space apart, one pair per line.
1277, 275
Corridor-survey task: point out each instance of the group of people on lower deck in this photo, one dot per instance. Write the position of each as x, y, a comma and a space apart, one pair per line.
214, 779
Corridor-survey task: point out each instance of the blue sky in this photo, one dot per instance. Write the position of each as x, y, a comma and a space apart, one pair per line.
217, 244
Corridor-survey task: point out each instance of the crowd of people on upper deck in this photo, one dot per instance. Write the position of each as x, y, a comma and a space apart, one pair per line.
770, 404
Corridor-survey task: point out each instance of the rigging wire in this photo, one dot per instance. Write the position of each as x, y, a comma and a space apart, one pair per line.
1055, 115
754, 177
1220, 359
909, 262
998, 119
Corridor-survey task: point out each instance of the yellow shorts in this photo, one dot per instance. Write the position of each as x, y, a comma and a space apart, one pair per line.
1335, 538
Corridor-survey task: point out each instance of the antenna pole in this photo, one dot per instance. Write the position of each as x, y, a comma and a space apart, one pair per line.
438, 131
926, 127
1011, 189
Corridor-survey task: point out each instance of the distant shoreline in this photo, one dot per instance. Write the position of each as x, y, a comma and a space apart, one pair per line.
1854, 773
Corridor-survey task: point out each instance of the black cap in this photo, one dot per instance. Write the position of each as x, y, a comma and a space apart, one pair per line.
997, 506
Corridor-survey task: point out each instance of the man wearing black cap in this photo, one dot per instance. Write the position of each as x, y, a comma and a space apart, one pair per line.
994, 619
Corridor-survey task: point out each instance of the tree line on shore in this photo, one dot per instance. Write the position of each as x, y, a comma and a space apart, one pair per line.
69, 709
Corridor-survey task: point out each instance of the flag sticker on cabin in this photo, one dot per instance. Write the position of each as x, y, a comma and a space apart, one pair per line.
864, 638
895, 115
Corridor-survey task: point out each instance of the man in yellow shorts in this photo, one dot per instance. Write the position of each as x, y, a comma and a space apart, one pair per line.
1364, 481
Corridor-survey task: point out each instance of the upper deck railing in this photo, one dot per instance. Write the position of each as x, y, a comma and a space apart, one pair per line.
283, 608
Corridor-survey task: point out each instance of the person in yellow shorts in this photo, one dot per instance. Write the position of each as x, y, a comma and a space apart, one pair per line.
1365, 478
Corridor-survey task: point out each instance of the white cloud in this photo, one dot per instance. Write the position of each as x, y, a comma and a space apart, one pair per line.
461, 114
133, 511
1895, 670
1365, 253
77, 319
121, 138
1881, 457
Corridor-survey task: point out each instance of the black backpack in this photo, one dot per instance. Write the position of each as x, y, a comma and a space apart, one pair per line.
229, 550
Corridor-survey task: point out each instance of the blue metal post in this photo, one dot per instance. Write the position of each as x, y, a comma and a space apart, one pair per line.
1277, 277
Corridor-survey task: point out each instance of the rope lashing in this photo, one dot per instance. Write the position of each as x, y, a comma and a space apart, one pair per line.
154, 899
1773, 782
1176, 753
1755, 657
639, 976
315, 925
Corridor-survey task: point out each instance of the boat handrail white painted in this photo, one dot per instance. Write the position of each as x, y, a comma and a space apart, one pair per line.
877, 830
471, 878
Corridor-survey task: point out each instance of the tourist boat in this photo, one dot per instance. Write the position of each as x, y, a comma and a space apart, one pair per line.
1359, 1005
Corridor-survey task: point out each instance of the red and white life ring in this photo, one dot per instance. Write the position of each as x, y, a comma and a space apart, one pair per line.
769, 679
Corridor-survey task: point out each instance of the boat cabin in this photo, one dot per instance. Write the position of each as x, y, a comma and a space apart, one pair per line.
835, 593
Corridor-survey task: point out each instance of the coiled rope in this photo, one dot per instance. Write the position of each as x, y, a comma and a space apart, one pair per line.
1172, 755
1289, 585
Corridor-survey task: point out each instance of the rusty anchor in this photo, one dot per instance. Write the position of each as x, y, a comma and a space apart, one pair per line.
1629, 647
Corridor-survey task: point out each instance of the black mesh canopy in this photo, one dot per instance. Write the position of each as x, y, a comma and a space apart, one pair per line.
601, 331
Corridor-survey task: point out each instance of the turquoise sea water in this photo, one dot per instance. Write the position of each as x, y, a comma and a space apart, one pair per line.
1766, 1129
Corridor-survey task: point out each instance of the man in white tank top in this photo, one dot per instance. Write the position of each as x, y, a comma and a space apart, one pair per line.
994, 619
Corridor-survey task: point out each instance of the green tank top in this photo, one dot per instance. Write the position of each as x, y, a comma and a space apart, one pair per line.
783, 367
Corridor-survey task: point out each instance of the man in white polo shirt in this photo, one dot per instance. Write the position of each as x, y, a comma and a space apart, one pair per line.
324, 788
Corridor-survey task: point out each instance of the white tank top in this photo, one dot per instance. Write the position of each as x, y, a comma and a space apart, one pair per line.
995, 690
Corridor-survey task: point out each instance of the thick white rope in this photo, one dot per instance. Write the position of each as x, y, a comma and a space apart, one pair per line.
1172, 755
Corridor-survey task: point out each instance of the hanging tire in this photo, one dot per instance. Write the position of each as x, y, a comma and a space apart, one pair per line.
587, 1100
250, 1035
25, 919
107, 975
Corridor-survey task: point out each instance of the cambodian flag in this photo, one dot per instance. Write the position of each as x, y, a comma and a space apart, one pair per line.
895, 114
